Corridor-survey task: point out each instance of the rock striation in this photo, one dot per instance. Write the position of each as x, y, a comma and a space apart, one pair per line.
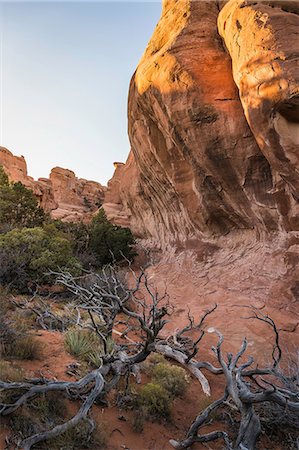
213, 124
212, 177
63, 195
265, 65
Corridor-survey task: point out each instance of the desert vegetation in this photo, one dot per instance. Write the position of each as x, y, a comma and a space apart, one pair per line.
114, 326
115, 361
32, 245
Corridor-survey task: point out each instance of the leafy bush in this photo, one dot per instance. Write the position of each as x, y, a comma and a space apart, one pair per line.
151, 362
139, 418
172, 378
109, 242
6, 304
27, 254
18, 205
155, 400
15, 340
23, 425
79, 236
99, 243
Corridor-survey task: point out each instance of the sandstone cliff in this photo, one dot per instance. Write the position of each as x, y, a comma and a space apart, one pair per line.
212, 176
202, 162
64, 195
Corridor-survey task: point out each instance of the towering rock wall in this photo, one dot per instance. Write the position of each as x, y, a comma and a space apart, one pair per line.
64, 195
263, 41
198, 165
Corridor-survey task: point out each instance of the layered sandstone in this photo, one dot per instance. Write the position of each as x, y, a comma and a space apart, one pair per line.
77, 198
64, 195
198, 165
212, 176
263, 41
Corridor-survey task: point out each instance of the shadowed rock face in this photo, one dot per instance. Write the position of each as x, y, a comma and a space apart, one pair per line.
197, 167
64, 195
263, 41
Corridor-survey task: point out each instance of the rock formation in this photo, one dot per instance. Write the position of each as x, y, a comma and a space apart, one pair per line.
263, 41
213, 173
64, 195
202, 162
77, 198
16, 169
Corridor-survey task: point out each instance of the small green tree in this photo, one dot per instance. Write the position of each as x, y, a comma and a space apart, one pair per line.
18, 205
27, 255
4, 181
77, 233
109, 242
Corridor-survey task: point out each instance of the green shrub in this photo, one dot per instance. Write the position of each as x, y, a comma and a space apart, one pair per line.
8, 336
50, 406
79, 343
152, 361
24, 425
155, 400
79, 438
27, 255
79, 235
109, 242
6, 304
18, 205
27, 423
172, 378
46, 411
86, 346
139, 418
24, 347
10, 372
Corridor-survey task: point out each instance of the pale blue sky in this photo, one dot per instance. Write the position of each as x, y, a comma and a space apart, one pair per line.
65, 70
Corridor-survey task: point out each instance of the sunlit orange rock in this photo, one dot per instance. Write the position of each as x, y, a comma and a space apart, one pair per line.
212, 176
196, 167
263, 41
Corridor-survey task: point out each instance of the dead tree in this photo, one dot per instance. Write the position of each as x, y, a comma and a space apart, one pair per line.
105, 300
183, 349
245, 388
108, 301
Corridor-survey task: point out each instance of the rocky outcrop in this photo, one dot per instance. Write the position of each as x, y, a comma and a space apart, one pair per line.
16, 169
198, 165
64, 195
77, 198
